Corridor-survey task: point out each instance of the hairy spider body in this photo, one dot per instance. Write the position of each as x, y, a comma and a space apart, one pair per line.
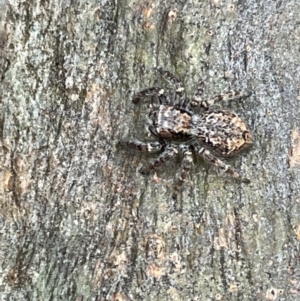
223, 132
209, 134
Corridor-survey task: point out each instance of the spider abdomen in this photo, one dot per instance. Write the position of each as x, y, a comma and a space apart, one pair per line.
223, 132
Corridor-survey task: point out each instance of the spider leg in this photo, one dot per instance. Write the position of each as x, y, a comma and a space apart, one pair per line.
149, 147
179, 94
154, 132
150, 92
169, 77
207, 155
169, 152
186, 165
228, 96
197, 98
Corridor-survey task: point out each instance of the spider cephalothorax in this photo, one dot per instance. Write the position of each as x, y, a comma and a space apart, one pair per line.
209, 134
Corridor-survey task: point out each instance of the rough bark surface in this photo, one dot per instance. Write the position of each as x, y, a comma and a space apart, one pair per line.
77, 219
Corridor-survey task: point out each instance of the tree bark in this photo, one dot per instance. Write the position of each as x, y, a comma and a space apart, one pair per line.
78, 221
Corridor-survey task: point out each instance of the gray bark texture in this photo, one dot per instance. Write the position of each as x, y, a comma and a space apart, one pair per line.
77, 219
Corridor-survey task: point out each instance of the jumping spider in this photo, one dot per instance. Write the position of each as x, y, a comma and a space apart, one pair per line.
209, 134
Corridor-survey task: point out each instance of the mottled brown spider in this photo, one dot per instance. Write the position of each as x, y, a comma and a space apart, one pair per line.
210, 134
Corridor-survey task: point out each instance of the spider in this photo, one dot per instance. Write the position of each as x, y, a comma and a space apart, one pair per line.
211, 134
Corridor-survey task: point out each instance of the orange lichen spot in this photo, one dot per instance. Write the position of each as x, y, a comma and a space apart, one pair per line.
24, 185
172, 15
273, 293
233, 287
148, 11
297, 232
219, 297
118, 297
174, 293
228, 74
148, 26
221, 240
175, 260
231, 7
209, 32
155, 247
248, 48
294, 152
8, 180
155, 271
216, 2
